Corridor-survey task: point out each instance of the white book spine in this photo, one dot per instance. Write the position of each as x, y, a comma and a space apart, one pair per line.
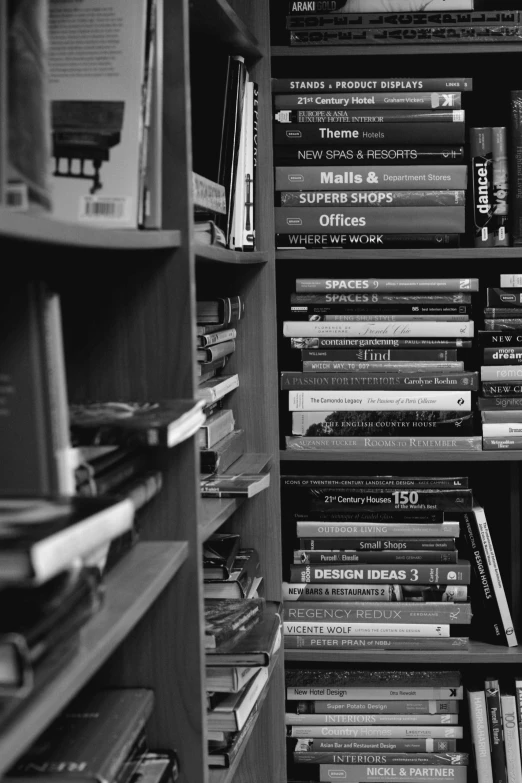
505, 372
495, 577
367, 629
338, 592
511, 738
382, 329
238, 207
379, 401
511, 281
500, 430
379, 732
378, 692
247, 228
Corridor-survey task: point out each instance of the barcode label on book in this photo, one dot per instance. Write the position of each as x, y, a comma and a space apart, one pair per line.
17, 196
116, 208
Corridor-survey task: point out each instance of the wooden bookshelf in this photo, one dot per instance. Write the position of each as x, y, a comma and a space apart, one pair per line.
406, 456
392, 50
478, 652
214, 254
507, 254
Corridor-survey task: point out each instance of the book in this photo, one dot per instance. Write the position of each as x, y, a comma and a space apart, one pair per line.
511, 738
213, 352
382, 240
518, 699
505, 389
245, 569
380, 708
317, 557
232, 712
379, 400
333, 381
407, 35
255, 648
428, 679
162, 423
392, 744
227, 619
498, 403
224, 755
342, 115
376, 342
347, 718
426, 759
159, 767
334, 350
391, 482
499, 142
502, 297
379, 544
371, 198
208, 196
387, 442
387, 134
396, 18
482, 179
424, 574
228, 679
378, 328
206, 232
43, 536
96, 731
511, 281
407, 154
215, 428
372, 84
222, 455
219, 553
373, 300
228, 486
496, 736
515, 163
375, 643
384, 732
374, 100
220, 311
301, 220
392, 285
357, 529
217, 388
366, 629
346, 423
509, 354
359, 773
500, 430
96, 140
496, 444
331, 498
368, 178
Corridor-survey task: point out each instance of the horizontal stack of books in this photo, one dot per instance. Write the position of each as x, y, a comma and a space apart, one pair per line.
496, 723
380, 366
365, 541
99, 736
402, 22
221, 443
209, 200
358, 725
500, 400
369, 162
230, 571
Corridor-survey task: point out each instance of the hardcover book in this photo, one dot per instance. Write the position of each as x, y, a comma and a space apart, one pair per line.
255, 648
232, 711
226, 620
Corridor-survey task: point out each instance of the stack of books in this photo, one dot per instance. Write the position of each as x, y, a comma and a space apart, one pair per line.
500, 401
209, 200
496, 724
221, 442
369, 162
402, 22
380, 365
365, 541
238, 668
230, 572
359, 725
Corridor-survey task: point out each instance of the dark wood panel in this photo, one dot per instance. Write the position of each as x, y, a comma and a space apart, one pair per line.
217, 20
407, 456
406, 254
479, 652
213, 254
426, 49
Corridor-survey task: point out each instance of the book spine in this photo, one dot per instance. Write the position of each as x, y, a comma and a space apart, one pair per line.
402, 367
217, 351
515, 173
371, 84
392, 285
379, 328
247, 224
358, 220
208, 195
511, 281
426, 759
397, 745
369, 311
407, 35
502, 324
496, 738
511, 738
492, 389
255, 117
328, 499
372, 354
361, 774
379, 544
381, 708
384, 401
500, 297
496, 403
518, 704
507, 355
377, 732
230, 132
502, 444
409, 516
387, 134
347, 718
502, 417
423, 574
502, 312
214, 430
499, 143
374, 301
334, 423
379, 482
365, 629
374, 100
317, 557
329, 381
400, 612
400, 19
501, 429
368, 178
336, 593
386, 442
356, 116
206, 340
363, 241
355, 342
432, 317
409, 155
373, 198
318, 530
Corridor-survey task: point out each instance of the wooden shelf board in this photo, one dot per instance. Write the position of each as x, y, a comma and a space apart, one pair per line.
388, 50
226, 775
406, 456
478, 652
220, 255
407, 254
251, 463
218, 20
131, 589
214, 512
48, 231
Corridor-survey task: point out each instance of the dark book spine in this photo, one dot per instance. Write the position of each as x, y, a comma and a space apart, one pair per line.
361, 482
426, 759
372, 100
315, 343
515, 172
352, 499
331, 381
496, 734
311, 19
379, 544
302, 220
376, 178
386, 134
314, 557
492, 389
231, 131
499, 143
502, 312
407, 35
303, 311
370, 85
362, 241
482, 182
380, 746
367, 117
503, 297
372, 198
502, 444
332, 424
383, 355
362, 156
503, 324
423, 574
498, 403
